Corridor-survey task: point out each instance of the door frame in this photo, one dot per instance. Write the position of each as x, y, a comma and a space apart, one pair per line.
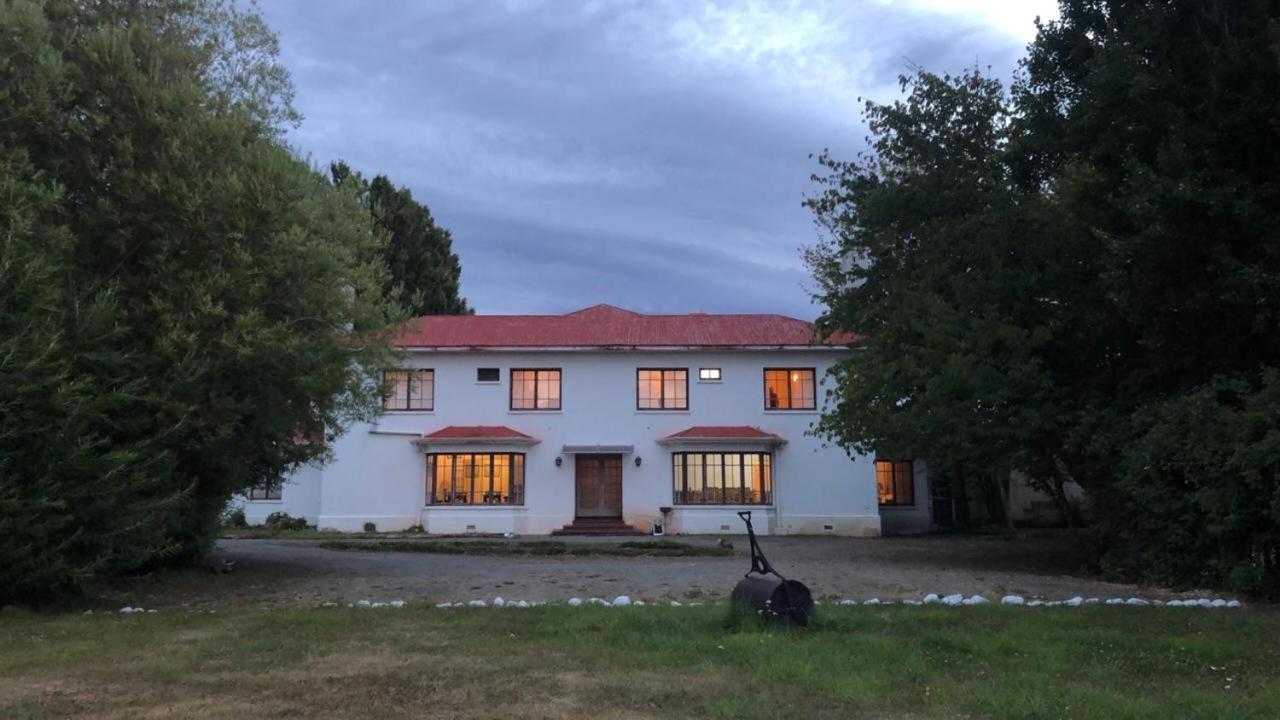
600, 458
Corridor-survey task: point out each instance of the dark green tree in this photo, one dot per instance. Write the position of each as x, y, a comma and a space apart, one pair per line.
1105, 239
424, 270
181, 295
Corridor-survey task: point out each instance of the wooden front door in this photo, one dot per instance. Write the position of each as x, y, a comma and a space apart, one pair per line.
599, 486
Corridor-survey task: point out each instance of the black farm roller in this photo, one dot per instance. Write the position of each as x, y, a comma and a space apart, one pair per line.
765, 591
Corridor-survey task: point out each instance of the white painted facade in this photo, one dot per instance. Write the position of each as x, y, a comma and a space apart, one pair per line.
378, 474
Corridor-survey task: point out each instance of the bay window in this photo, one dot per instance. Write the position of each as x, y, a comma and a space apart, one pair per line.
475, 479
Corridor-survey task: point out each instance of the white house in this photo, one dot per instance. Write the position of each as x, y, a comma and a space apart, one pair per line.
604, 420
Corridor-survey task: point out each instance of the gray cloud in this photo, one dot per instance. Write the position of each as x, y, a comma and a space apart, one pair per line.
651, 155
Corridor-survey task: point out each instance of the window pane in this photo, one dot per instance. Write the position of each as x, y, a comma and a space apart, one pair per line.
548, 390
482, 488
715, 478
523, 385
427, 389
673, 388
733, 478
444, 479
517, 480
766, 464
801, 389
396, 385
775, 390
709, 374
677, 478
693, 475
648, 389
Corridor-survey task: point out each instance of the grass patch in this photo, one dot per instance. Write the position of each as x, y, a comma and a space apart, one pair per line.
262, 532
525, 548
560, 662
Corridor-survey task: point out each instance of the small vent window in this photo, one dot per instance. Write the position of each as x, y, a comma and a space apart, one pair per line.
489, 375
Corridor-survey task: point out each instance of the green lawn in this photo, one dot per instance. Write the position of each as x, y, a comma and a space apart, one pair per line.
651, 662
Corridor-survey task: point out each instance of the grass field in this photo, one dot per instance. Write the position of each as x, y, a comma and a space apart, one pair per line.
651, 662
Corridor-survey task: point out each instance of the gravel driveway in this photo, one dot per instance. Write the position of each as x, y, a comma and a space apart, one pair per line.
281, 572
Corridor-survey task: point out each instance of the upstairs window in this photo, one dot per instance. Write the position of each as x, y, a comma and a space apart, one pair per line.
662, 389
895, 483
409, 390
789, 389
535, 389
488, 375
709, 374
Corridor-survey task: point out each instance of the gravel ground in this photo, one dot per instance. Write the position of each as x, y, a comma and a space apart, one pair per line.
272, 573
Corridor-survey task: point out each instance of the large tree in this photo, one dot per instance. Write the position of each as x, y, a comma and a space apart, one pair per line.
1106, 238
424, 271
182, 296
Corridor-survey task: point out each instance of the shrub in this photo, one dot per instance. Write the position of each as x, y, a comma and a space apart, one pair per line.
235, 518
285, 521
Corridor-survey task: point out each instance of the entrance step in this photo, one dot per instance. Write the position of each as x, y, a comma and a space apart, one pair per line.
598, 526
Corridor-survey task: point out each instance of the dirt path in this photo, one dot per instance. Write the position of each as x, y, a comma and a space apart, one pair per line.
274, 572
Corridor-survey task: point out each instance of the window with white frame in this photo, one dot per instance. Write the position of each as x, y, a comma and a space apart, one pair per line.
709, 374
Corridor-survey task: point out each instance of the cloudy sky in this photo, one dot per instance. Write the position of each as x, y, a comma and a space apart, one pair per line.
645, 153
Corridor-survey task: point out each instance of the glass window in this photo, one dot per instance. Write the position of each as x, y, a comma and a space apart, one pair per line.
789, 389
409, 390
709, 374
535, 389
718, 478
475, 479
488, 375
659, 389
267, 491
895, 482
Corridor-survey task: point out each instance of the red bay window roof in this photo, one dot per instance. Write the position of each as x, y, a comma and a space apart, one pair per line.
476, 434
606, 326
722, 434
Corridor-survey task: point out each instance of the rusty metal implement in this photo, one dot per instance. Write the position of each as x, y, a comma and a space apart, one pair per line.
764, 590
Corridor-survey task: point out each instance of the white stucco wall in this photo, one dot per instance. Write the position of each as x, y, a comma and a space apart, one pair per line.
378, 474
300, 497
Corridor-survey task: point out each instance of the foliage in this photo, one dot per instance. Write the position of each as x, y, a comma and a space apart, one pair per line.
1081, 278
180, 291
284, 521
236, 519
424, 271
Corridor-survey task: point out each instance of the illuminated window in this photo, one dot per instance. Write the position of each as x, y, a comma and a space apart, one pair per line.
722, 478
658, 389
709, 374
267, 491
475, 479
789, 389
535, 389
409, 390
895, 482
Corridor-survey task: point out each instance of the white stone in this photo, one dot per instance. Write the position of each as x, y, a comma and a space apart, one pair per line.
954, 599
598, 601
675, 603
1091, 601
1136, 601
912, 602
931, 598
1115, 601
477, 603
363, 603
1204, 602
1219, 602
1076, 601
872, 601
1035, 603
847, 601
499, 602
575, 602
444, 605
621, 601
975, 600
396, 603
638, 603
1233, 603
522, 604
1012, 600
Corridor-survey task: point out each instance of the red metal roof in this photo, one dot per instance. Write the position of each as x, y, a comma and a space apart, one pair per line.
477, 432
722, 432
609, 326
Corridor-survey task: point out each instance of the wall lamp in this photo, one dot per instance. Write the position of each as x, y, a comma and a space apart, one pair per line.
558, 461
637, 461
